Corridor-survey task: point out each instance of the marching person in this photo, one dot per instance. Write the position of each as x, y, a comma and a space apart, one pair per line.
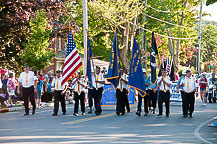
152, 96
164, 84
79, 94
181, 88
126, 101
29, 83
121, 94
189, 86
58, 93
98, 83
90, 95
146, 99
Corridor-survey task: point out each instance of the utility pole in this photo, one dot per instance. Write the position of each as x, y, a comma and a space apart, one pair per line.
199, 38
85, 29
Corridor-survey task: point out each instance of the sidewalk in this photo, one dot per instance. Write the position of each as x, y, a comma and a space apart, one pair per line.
10, 109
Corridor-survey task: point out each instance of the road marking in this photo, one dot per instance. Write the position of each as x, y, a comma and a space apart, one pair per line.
197, 129
92, 118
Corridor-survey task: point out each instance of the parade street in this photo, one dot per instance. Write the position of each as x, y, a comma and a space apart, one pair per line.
109, 128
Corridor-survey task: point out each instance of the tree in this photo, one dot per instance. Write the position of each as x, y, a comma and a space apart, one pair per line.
36, 52
209, 2
15, 16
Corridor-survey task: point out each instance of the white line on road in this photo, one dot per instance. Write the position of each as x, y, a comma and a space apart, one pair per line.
197, 133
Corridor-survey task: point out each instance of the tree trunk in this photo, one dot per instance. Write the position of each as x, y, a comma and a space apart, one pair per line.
123, 51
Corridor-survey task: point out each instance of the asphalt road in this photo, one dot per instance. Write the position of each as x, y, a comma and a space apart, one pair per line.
109, 128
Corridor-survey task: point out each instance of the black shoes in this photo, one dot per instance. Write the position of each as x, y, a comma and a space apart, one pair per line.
26, 114
117, 113
146, 114
54, 114
138, 113
33, 112
64, 113
167, 116
190, 116
185, 116
97, 114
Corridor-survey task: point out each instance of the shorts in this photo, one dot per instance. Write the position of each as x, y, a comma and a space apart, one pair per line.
202, 89
38, 95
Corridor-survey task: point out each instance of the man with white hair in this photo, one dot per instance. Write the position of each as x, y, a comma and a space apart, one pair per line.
181, 88
28, 81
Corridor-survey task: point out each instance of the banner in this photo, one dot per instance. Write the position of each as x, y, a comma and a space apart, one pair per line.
175, 97
108, 97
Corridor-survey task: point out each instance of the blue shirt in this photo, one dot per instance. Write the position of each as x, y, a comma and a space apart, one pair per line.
152, 86
179, 83
146, 80
49, 87
39, 86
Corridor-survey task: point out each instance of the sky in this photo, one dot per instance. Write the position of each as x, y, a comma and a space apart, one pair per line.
212, 9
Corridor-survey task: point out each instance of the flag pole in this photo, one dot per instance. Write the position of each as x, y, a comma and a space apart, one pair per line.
85, 27
171, 65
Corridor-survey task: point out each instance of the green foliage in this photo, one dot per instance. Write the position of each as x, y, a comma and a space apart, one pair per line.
209, 2
36, 53
209, 45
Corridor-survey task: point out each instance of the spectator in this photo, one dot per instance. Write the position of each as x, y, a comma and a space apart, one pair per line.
203, 84
39, 92
11, 87
49, 92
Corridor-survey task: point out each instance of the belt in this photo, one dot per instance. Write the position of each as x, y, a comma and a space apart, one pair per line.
164, 90
28, 87
189, 92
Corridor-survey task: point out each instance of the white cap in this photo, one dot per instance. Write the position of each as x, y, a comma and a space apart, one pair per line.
184, 72
144, 70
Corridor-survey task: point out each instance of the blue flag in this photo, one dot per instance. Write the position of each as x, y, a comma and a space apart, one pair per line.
89, 56
136, 78
113, 75
154, 52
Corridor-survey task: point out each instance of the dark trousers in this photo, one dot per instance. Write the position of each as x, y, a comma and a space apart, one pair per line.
58, 97
189, 100
78, 98
126, 101
183, 101
146, 103
90, 97
49, 96
28, 94
97, 100
164, 97
121, 100
152, 98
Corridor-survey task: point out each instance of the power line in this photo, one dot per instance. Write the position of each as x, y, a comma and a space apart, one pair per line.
140, 26
209, 42
208, 38
209, 35
154, 17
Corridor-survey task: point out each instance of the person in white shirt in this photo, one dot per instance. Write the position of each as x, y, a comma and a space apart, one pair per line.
98, 84
189, 87
121, 93
79, 94
164, 84
28, 81
59, 93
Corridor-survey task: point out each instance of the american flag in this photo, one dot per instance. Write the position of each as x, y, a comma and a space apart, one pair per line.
168, 67
72, 61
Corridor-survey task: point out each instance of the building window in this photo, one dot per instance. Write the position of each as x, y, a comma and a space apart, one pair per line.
59, 47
